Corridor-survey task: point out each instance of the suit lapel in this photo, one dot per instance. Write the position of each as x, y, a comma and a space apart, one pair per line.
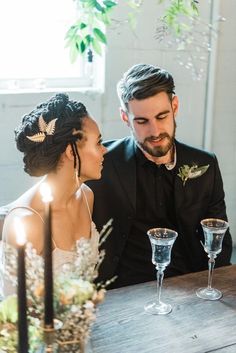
125, 166
179, 189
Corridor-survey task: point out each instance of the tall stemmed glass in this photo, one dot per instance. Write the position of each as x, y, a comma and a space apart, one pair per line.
162, 240
214, 230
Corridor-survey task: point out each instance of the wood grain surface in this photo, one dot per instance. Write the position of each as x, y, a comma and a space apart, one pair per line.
193, 326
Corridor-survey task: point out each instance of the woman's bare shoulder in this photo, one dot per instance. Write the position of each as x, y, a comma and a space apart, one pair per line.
32, 224
89, 195
87, 190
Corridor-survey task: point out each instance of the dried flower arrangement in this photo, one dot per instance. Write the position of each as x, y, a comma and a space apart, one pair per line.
75, 298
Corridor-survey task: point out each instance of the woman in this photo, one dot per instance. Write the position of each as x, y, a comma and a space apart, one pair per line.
61, 142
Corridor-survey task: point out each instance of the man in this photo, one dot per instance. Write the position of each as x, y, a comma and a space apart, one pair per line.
151, 180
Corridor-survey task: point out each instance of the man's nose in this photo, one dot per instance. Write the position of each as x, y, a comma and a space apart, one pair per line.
154, 128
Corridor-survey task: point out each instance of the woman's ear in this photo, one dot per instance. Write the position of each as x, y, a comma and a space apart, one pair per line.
69, 153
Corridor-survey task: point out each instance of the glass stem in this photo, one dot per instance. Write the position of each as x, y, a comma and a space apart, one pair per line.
160, 275
211, 264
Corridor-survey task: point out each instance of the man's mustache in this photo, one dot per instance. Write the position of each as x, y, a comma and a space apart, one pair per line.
154, 138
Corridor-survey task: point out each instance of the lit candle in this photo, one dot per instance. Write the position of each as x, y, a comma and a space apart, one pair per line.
48, 275
21, 289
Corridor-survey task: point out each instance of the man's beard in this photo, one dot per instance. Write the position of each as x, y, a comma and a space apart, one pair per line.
158, 151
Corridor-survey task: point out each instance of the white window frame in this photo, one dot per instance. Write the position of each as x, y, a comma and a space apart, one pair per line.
91, 75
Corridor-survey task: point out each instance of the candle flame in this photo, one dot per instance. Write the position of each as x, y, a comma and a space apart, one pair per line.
46, 192
20, 232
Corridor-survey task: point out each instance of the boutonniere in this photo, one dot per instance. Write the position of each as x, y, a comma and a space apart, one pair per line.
191, 172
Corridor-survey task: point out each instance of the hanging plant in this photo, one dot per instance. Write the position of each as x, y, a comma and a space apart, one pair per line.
182, 29
177, 15
87, 33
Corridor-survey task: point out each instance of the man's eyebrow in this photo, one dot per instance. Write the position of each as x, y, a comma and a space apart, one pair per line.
156, 116
162, 113
139, 117
99, 137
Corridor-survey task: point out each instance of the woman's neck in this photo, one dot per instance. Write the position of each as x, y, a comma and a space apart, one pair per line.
63, 187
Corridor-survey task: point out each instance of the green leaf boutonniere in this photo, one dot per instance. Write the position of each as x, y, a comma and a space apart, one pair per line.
186, 172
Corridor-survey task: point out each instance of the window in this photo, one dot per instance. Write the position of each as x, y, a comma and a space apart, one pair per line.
33, 53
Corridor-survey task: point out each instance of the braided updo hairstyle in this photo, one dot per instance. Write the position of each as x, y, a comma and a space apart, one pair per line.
40, 158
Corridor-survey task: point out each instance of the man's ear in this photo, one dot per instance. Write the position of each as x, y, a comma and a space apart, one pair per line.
175, 105
124, 117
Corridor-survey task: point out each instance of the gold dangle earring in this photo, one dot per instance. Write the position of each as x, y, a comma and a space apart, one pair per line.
77, 178
76, 171
76, 165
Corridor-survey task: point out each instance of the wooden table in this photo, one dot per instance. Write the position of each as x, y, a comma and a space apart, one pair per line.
194, 325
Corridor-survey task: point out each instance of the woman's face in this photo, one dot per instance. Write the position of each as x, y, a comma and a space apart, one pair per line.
91, 151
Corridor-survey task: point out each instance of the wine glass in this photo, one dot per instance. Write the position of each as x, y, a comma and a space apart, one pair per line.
162, 240
214, 230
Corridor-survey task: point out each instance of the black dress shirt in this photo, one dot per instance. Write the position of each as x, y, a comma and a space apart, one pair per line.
154, 208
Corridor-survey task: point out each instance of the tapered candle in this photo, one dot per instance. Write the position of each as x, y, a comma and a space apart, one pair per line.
21, 289
48, 274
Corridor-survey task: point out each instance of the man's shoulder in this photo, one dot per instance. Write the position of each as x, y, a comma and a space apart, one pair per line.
192, 152
118, 144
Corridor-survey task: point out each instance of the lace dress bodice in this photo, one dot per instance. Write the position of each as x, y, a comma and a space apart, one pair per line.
62, 257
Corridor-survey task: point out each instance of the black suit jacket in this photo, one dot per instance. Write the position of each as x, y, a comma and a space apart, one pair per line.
202, 197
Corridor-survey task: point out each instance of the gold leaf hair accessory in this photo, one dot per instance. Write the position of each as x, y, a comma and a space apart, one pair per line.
45, 130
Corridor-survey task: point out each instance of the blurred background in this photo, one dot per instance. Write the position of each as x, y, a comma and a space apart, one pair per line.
34, 64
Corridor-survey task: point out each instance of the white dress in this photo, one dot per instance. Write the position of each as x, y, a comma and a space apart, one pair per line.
60, 256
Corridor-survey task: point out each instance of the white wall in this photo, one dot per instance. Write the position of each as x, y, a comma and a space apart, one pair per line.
224, 124
13, 179
124, 50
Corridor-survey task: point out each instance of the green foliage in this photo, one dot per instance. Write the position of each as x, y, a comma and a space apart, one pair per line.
8, 310
177, 14
8, 327
94, 15
88, 30
191, 172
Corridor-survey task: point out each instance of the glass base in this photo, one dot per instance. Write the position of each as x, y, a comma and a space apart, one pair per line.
209, 294
155, 308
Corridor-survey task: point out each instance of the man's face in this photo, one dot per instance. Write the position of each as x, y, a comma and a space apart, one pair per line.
152, 122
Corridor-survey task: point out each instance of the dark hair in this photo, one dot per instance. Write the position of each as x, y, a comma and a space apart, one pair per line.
142, 81
42, 157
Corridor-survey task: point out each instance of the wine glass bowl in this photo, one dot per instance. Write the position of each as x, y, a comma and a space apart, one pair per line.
214, 230
162, 240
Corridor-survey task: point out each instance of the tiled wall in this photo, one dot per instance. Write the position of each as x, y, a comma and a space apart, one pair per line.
124, 50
